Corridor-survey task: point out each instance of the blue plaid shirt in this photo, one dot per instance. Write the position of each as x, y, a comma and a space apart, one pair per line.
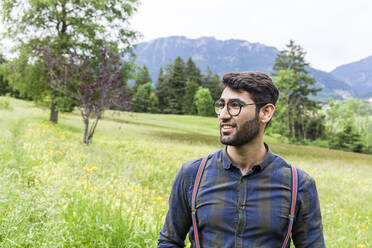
235, 210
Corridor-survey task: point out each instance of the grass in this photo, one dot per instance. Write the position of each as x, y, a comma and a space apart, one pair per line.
56, 192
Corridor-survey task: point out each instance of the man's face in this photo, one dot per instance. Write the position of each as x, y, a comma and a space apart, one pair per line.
241, 129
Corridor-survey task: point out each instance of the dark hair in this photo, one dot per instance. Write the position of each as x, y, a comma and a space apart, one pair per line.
258, 84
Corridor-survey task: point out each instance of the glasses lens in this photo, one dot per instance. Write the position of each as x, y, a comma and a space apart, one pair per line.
233, 108
218, 106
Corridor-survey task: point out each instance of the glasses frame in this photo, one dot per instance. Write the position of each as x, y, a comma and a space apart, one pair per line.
233, 101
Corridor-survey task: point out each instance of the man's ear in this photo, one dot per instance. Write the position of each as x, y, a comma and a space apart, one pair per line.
266, 113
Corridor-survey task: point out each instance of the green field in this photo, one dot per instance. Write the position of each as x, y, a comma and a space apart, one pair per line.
56, 192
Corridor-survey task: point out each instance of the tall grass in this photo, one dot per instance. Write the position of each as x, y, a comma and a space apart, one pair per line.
56, 192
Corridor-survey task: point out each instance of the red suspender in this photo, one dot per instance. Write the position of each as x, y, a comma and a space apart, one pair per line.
193, 203
195, 191
293, 205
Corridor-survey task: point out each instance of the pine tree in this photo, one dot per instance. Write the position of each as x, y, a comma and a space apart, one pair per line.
193, 72
212, 82
188, 106
162, 88
177, 83
295, 86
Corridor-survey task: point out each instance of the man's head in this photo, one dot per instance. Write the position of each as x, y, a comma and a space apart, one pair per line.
257, 84
241, 122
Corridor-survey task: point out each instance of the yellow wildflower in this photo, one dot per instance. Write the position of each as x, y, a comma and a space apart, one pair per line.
94, 168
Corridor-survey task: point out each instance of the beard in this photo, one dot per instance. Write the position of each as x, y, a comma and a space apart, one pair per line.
245, 134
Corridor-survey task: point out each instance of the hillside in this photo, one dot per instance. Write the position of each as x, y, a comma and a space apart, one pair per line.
56, 192
227, 55
358, 75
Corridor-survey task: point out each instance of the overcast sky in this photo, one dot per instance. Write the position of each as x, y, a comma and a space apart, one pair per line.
331, 32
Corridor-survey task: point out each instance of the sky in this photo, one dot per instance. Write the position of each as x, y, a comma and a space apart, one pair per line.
331, 32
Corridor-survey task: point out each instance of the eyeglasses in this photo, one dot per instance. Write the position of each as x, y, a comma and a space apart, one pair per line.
233, 107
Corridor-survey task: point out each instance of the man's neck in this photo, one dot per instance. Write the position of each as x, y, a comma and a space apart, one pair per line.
248, 155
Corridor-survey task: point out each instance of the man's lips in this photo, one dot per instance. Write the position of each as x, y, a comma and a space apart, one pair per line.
227, 127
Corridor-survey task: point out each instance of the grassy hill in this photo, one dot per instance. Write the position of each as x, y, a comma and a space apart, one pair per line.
56, 192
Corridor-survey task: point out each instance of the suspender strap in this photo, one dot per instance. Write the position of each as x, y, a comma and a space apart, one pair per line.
193, 203
293, 205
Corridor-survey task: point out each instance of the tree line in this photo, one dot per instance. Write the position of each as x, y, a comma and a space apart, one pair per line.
181, 88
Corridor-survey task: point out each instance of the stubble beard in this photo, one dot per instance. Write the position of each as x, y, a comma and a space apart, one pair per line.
245, 134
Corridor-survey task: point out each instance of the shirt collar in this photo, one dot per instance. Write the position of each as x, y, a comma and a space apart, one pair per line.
226, 161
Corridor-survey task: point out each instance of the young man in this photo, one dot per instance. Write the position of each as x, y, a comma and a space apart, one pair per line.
244, 194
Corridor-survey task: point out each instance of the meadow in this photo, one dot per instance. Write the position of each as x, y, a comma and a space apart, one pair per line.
57, 192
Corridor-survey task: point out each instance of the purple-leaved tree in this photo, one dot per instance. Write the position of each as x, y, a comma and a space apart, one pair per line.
95, 88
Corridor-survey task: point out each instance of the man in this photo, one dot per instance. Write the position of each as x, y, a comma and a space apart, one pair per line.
244, 194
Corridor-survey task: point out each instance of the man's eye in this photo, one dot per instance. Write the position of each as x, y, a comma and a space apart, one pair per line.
221, 105
234, 104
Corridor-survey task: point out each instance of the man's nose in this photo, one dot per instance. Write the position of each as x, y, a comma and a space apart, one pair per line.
224, 113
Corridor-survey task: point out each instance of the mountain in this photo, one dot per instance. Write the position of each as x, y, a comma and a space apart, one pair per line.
225, 56
358, 75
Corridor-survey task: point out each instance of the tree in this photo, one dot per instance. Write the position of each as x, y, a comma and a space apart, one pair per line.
153, 103
94, 89
142, 77
162, 89
84, 25
352, 116
142, 99
175, 88
295, 85
204, 102
348, 139
176, 82
189, 106
4, 85
193, 72
212, 82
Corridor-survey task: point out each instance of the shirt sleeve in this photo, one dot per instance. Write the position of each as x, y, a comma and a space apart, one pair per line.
178, 219
308, 229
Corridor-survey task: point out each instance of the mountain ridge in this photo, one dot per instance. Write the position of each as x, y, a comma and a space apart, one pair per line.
228, 55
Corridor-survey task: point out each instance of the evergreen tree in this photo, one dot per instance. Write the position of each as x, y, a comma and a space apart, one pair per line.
295, 85
204, 102
162, 88
348, 139
189, 107
142, 77
212, 82
193, 72
177, 83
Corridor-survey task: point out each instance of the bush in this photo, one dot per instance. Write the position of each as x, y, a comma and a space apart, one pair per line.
204, 103
348, 140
